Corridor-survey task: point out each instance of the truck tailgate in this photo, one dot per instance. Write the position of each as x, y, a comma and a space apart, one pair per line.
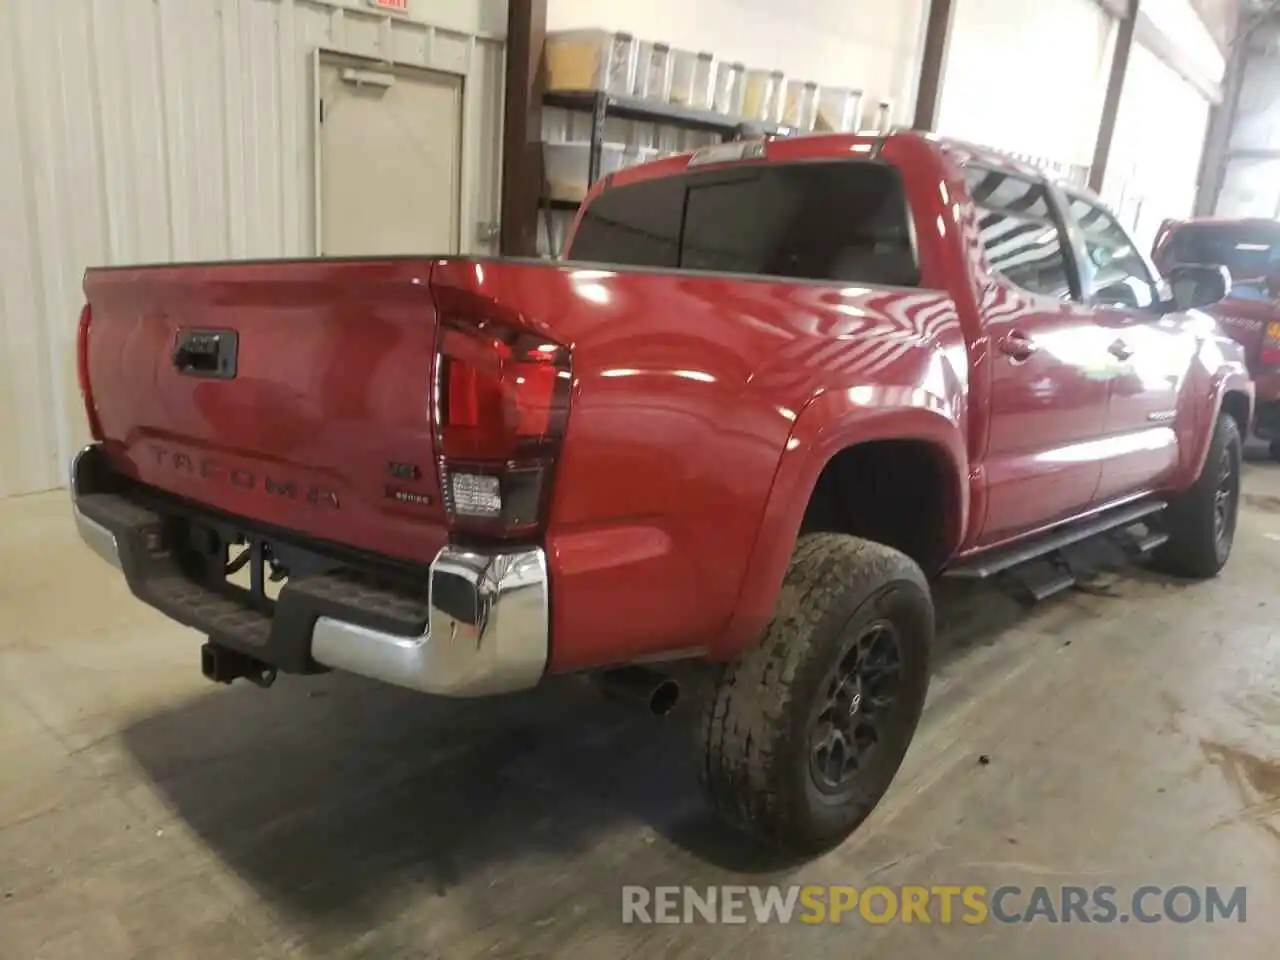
1248, 323
296, 394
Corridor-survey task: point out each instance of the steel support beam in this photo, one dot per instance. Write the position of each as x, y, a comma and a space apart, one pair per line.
1254, 153
933, 63
1217, 154
1111, 101
522, 127
1163, 47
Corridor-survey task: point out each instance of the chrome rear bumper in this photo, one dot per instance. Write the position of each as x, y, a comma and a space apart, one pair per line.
505, 649
487, 614
97, 537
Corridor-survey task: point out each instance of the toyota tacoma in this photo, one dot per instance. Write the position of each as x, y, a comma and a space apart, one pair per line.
778, 388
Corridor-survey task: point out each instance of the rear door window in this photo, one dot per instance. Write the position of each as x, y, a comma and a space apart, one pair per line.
1021, 234
841, 221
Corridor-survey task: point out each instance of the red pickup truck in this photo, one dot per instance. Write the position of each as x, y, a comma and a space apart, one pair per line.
1250, 313
778, 388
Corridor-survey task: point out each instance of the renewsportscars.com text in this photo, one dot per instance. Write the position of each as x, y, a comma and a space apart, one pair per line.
937, 904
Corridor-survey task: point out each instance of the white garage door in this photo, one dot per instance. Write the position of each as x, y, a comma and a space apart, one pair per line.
1027, 76
1155, 155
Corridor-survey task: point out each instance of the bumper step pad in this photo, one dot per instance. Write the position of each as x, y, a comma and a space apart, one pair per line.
472, 623
398, 612
280, 638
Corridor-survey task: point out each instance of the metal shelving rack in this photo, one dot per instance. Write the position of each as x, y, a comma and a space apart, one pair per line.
603, 105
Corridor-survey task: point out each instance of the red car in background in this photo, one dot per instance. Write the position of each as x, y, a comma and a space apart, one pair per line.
1250, 315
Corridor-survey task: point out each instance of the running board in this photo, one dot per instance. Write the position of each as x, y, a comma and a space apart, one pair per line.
1003, 558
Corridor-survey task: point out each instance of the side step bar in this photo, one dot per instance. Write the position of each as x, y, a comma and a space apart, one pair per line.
1042, 580
1144, 545
988, 564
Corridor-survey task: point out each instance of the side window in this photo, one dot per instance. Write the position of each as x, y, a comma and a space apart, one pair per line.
1023, 240
1115, 273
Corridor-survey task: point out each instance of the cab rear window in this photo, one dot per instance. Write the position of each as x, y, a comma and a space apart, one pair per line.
1249, 250
843, 221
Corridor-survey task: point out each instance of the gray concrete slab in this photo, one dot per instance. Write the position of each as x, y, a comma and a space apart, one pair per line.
1132, 734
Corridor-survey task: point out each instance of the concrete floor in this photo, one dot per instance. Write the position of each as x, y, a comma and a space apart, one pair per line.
1132, 731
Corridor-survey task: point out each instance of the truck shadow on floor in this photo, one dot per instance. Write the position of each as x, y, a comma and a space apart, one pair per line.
336, 799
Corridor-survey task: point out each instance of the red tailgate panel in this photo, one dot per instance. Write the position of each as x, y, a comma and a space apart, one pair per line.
324, 429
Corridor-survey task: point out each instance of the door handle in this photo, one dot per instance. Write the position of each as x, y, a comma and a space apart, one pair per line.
1120, 350
206, 353
1017, 346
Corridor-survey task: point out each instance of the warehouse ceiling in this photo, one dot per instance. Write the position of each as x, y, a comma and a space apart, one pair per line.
1223, 16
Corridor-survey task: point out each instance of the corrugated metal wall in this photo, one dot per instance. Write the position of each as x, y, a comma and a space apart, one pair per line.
155, 130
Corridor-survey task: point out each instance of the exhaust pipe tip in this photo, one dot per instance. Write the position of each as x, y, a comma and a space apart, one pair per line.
655, 692
664, 698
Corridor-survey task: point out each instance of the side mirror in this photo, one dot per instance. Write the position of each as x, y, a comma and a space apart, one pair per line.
1198, 285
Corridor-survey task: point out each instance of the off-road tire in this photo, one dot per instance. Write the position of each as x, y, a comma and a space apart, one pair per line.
1195, 548
754, 737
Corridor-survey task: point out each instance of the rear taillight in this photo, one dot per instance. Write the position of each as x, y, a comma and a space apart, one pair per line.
502, 402
1270, 352
82, 371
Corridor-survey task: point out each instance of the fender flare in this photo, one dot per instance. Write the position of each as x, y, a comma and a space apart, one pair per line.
830, 423
1228, 376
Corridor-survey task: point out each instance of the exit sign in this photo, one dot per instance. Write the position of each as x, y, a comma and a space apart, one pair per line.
392, 6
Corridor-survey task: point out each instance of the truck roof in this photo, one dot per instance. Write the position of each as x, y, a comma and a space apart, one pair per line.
818, 146
1226, 221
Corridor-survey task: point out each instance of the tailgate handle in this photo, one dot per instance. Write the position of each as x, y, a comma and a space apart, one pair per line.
206, 353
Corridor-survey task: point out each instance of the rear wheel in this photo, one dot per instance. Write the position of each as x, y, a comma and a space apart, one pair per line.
1201, 521
1275, 449
802, 736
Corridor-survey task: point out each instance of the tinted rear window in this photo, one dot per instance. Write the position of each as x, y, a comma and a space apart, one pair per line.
1248, 250
843, 221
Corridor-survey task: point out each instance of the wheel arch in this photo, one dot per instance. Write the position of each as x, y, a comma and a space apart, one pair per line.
823, 436
1231, 392
1238, 404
